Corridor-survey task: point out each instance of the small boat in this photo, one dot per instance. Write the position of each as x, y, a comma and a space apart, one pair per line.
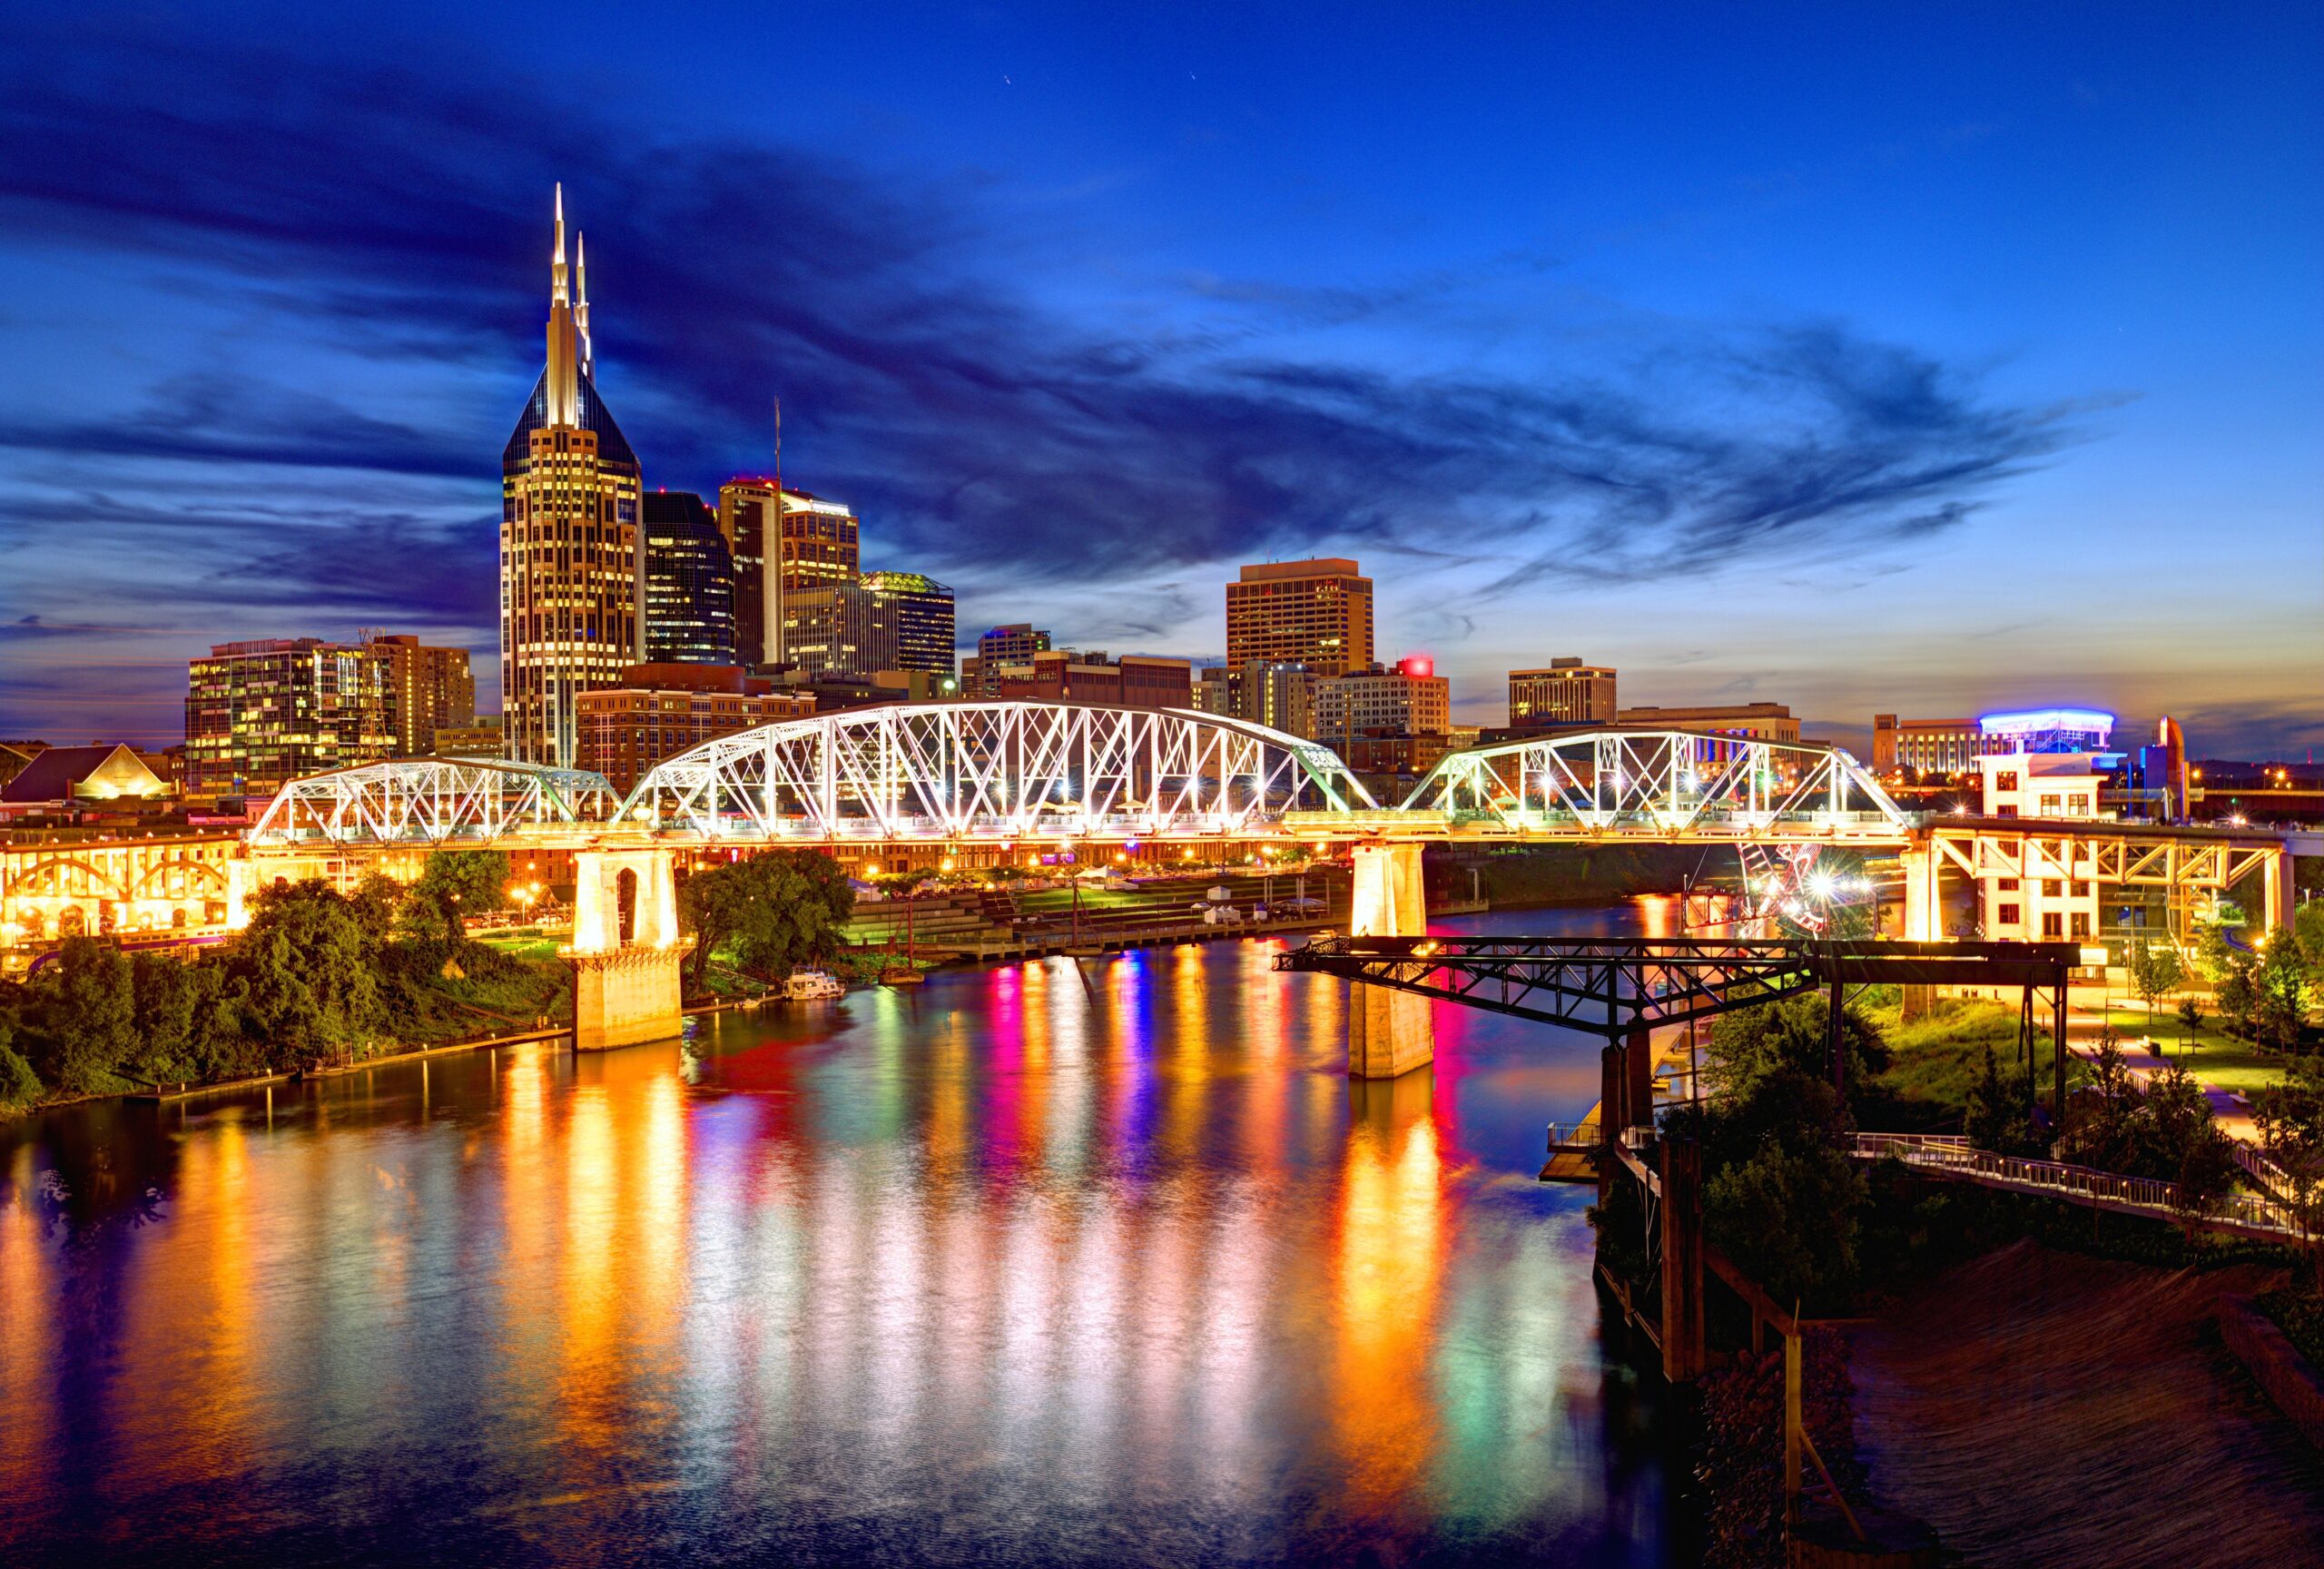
811, 986
901, 975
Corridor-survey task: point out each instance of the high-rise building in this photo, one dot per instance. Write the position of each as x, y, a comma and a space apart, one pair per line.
572, 575
1313, 613
813, 546
658, 711
428, 689
689, 582
260, 713
1280, 696
1409, 698
925, 619
1567, 692
878, 621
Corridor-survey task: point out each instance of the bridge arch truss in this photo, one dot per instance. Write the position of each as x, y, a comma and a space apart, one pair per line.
431, 801
1676, 783
992, 771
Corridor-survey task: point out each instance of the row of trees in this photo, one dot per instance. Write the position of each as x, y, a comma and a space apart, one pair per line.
767, 914
316, 977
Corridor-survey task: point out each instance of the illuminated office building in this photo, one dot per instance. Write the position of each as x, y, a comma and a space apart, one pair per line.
878, 621
689, 582
1313, 613
428, 689
813, 546
1564, 692
260, 713
572, 575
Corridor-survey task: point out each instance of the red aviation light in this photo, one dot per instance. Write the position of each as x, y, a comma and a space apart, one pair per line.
1417, 666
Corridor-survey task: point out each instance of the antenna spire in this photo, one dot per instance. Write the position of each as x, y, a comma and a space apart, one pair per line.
581, 302
556, 258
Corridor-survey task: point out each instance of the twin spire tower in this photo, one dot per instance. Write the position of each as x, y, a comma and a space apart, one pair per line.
572, 566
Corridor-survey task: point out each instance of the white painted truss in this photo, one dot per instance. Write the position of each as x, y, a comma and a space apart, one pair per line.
1668, 782
431, 801
992, 771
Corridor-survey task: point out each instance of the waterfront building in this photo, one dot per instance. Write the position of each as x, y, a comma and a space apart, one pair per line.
1281, 697
812, 542
1754, 721
1407, 698
1132, 680
689, 582
572, 575
1315, 613
878, 621
262, 712
1926, 745
660, 710
427, 688
1565, 691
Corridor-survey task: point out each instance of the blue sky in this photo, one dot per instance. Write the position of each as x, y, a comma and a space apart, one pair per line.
1864, 359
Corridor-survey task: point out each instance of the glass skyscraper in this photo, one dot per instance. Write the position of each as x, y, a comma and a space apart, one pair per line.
689, 582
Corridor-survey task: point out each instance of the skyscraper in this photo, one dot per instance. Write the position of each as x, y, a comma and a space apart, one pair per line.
813, 545
1313, 612
428, 689
572, 575
689, 582
859, 627
262, 712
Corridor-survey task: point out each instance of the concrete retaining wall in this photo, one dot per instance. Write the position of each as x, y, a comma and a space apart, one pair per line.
2283, 1374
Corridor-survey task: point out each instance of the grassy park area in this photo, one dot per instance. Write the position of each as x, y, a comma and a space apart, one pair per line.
2210, 1052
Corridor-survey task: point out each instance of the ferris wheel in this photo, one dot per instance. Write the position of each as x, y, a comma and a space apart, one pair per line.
1805, 890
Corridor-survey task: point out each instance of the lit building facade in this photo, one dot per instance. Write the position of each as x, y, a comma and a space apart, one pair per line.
812, 542
1315, 613
572, 575
660, 710
878, 621
1567, 692
428, 689
689, 582
1015, 644
1754, 721
1926, 745
1132, 680
1280, 696
1407, 698
260, 713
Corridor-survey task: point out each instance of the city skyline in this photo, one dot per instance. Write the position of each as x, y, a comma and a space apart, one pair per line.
1725, 431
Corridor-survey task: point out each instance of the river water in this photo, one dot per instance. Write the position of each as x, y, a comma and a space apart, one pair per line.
1038, 1265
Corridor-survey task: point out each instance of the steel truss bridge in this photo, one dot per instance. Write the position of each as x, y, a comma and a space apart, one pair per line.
999, 771
1617, 986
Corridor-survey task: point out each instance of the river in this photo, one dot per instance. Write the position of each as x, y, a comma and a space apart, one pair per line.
1032, 1266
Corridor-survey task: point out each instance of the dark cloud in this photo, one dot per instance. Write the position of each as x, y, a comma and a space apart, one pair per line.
405, 210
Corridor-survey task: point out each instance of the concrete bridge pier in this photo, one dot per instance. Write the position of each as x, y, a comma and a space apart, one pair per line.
626, 949
1389, 1032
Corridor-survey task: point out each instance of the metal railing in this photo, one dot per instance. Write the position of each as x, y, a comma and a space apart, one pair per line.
1947, 1156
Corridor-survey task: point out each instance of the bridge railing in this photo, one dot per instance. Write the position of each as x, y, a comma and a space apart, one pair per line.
1957, 1156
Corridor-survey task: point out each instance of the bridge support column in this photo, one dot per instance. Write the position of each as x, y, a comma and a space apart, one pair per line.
625, 949
1922, 917
1683, 1353
2276, 898
1389, 1032
239, 875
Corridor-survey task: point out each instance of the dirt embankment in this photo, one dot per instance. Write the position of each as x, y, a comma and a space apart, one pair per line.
2045, 1408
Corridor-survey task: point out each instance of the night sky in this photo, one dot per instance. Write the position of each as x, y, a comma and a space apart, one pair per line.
1864, 358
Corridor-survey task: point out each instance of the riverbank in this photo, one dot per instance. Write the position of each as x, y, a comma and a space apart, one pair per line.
2044, 1408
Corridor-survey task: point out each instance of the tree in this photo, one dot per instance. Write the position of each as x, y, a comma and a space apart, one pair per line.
19, 1085
84, 1017
1786, 1214
2154, 970
309, 976
2278, 993
375, 902
774, 912
458, 883
1750, 1044
2238, 997
176, 1014
1995, 1116
2308, 940
2191, 1018
2291, 1115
